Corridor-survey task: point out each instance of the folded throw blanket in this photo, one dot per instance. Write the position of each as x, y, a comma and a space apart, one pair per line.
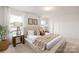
41, 42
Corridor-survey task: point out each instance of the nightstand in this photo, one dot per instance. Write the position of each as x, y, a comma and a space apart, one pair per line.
22, 40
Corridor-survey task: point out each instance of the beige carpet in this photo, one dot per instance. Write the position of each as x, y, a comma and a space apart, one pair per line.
25, 48
20, 48
71, 48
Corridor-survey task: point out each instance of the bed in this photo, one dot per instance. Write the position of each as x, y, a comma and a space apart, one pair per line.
44, 45
41, 42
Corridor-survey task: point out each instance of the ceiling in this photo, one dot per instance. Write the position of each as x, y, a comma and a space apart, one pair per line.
39, 10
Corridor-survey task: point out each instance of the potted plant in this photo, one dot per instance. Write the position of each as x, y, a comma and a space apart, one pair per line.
3, 32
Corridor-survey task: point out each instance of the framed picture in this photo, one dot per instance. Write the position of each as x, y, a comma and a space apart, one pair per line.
30, 21
35, 21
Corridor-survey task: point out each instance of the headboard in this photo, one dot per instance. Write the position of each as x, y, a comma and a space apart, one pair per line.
36, 28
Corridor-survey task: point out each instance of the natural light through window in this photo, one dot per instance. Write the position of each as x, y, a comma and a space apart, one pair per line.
14, 21
43, 22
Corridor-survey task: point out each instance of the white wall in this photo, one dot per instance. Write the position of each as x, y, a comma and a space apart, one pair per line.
51, 25
29, 15
1, 15
67, 25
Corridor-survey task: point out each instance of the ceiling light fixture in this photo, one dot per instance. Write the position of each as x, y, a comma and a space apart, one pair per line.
48, 8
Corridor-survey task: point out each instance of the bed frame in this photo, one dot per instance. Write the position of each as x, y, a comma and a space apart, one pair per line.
52, 50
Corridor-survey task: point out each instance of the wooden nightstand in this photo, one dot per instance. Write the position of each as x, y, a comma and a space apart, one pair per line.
22, 40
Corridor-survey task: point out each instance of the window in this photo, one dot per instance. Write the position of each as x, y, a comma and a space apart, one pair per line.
44, 24
15, 21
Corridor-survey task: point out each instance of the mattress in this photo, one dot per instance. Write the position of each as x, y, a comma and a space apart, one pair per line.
49, 45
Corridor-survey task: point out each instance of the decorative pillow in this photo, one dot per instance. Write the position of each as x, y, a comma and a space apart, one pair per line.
41, 31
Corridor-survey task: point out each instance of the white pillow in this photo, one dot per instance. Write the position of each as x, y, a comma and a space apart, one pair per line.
47, 33
30, 32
